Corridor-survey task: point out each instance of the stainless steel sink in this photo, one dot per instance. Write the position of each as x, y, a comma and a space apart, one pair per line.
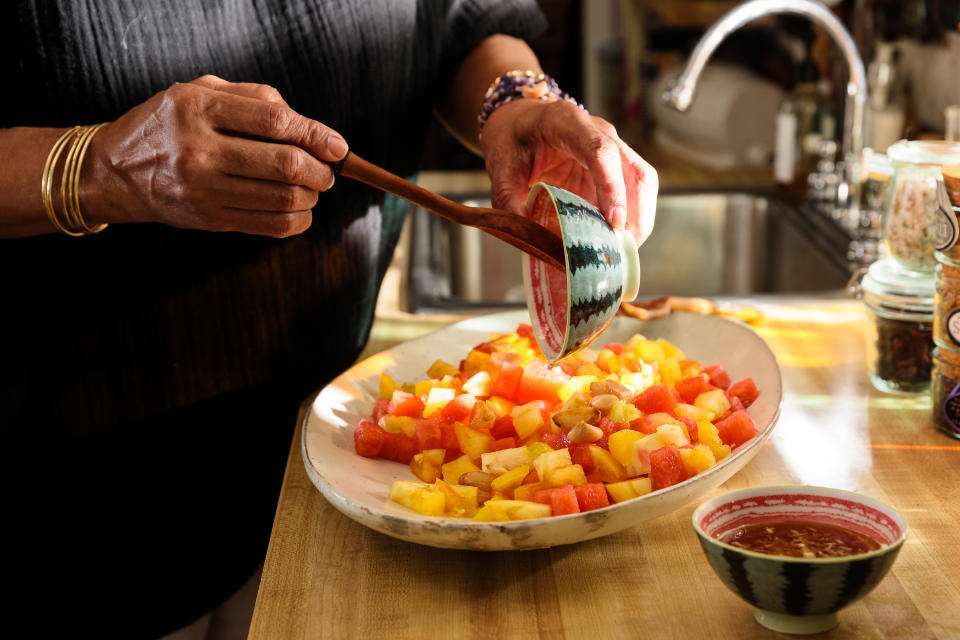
704, 244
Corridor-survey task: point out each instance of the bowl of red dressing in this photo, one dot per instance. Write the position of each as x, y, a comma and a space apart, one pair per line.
799, 553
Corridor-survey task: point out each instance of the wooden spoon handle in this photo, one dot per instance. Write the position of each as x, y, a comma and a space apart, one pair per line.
515, 230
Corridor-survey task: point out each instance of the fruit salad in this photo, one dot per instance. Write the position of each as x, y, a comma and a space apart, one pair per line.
504, 436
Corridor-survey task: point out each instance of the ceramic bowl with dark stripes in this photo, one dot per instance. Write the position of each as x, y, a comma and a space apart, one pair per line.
798, 594
569, 308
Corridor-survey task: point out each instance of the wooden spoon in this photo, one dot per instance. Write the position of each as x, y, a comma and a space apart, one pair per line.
515, 230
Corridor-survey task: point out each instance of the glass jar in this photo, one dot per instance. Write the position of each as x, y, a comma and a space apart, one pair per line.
946, 300
946, 391
900, 327
910, 206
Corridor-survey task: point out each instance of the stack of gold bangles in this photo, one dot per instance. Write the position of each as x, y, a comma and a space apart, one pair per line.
78, 138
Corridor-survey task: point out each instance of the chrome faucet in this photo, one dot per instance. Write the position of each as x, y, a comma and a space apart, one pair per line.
680, 94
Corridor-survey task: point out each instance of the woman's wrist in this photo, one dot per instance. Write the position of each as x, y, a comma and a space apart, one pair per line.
517, 84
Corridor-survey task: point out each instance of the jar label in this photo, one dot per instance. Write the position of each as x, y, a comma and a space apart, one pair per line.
948, 229
953, 326
951, 409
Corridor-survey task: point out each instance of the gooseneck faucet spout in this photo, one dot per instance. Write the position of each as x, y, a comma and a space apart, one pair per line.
680, 93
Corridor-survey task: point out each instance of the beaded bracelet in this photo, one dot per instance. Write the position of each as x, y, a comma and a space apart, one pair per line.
520, 84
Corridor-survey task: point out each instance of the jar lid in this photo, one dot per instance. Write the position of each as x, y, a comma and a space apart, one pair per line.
889, 287
925, 152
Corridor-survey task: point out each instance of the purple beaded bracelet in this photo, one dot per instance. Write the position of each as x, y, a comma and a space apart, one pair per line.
520, 84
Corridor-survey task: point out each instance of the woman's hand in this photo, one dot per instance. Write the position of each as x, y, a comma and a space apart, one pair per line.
527, 141
214, 155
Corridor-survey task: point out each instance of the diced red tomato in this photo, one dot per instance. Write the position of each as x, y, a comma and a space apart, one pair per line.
503, 443
449, 441
368, 439
406, 404
398, 447
745, 390
380, 408
555, 440
531, 477
563, 500
568, 368
690, 388
692, 431
656, 398
580, 454
508, 381
534, 386
616, 347
503, 428
718, 376
592, 495
609, 426
643, 424
735, 404
525, 330
666, 467
428, 434
736, 428
458, 409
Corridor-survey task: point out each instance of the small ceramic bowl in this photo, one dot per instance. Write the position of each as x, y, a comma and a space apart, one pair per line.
798, 595
571, 307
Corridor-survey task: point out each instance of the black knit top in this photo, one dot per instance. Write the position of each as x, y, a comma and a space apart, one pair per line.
151, 374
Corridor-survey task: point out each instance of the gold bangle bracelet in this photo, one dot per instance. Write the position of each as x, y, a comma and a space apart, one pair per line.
70, 187
46, 180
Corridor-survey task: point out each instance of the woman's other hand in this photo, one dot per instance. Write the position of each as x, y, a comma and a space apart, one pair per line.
527, 141
214, 155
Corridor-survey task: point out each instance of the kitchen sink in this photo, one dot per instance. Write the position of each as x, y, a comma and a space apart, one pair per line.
711, 244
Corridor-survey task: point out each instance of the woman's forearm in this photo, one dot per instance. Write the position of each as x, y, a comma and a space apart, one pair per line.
460, 103
23, 152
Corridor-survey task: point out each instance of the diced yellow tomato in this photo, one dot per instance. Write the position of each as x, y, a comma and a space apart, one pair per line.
693, 412
554, 459
536, 449
440, 368
399, 424
714, 401
670, 350
455, 468
527, 491
651, 351
697, 459
422, 498
640, 457
423, 387
570, 474
624, 412
576, 384
426, 464
500, 405
607, 468
670, 371
608, 361
461, 501
591, 369
657, 419
527, 419
707, 434
621, 444
387, 386
479, 361
506, 510
510, 480
672, 434
690, 368
629, 489
480, 385
472, 442
437, 399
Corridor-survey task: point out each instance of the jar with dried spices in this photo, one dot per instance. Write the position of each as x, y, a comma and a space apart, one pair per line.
910, 207
900, 327
946, 391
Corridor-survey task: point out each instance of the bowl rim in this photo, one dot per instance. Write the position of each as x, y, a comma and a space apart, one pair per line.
770, 490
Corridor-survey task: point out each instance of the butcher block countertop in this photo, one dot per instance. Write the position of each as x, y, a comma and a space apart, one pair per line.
325, 576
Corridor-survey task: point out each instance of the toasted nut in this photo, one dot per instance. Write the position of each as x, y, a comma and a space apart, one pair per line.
569, 418
604, 402
479, 479
482, 416
622, 391
585, 432
598, 387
